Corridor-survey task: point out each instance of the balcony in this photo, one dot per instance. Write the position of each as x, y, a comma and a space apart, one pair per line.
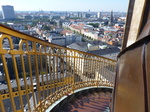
36, 74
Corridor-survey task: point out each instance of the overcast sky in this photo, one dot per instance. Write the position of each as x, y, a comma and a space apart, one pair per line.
67, 5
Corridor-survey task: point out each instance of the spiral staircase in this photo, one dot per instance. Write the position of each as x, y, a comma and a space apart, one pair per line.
44, 77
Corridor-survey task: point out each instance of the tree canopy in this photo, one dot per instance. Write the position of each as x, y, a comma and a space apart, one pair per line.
95, 25
45, 27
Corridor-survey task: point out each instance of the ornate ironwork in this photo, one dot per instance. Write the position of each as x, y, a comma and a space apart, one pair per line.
38, 73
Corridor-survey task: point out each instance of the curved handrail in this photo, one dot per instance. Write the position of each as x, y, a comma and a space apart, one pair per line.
38, 73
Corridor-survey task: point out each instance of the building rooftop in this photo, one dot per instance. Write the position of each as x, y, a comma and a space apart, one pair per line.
105, 51
97, 50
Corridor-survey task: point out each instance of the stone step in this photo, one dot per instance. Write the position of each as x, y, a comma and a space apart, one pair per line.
93, 101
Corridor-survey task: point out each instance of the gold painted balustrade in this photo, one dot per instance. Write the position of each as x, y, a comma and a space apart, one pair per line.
34, 73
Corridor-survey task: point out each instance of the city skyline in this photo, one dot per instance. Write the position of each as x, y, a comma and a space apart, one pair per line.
67, 5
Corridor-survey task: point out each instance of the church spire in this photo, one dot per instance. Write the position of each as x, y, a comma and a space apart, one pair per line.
111, 19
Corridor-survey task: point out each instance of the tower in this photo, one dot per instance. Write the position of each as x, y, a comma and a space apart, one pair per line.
111, 19
99, 15
8, 12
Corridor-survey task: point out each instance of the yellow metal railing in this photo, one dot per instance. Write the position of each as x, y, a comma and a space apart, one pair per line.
36, 73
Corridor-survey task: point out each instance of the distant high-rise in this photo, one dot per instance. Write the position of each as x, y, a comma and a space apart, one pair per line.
86, 15
99, 15
8, 12
79, 14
